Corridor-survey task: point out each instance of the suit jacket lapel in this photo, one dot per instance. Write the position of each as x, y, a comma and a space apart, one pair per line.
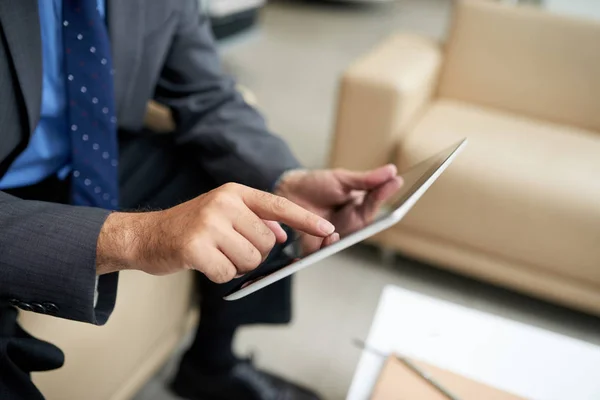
21, 25
126, 28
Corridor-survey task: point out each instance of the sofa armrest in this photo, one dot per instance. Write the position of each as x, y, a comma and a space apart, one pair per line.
158, 118
380, 96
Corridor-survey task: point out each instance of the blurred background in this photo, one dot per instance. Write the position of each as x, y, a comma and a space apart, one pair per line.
512, 229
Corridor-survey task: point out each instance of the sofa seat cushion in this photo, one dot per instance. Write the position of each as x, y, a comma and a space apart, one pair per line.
522, 189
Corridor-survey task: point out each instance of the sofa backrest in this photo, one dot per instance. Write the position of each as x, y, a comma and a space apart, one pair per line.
524, 60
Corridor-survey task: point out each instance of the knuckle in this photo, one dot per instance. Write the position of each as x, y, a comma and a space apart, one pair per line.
222, 199
270, 241
267, 238
230, 187
224, 274
279, 204
230, 273
253, 258
264, 252
261, 196
311, 219
260, 227
215, 276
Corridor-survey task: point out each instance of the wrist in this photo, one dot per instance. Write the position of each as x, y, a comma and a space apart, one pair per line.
121, 242
287, 181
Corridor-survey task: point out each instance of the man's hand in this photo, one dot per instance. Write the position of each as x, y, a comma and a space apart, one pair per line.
350, 200
224, 233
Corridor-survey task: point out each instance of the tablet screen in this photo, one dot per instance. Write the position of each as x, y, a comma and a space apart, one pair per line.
415, 179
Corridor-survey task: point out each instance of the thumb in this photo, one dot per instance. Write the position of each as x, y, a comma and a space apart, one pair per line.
366, 180
376, 198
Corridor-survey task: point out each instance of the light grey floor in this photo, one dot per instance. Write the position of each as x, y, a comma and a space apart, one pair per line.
292, 64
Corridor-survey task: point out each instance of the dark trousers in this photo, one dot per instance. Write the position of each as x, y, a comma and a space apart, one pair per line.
154, 174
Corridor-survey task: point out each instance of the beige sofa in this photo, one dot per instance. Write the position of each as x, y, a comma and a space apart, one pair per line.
112, 362
521, 206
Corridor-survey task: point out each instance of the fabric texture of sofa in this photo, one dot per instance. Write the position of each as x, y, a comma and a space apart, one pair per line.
521, 206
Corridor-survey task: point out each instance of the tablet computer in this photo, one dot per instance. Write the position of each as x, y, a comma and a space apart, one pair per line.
416, 181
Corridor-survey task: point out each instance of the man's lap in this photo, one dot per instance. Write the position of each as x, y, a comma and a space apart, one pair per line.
155, 174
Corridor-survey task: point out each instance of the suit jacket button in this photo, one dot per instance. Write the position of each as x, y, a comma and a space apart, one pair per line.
38, 308
25, 306
51, 308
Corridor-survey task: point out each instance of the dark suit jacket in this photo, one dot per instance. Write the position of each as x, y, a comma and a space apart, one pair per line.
161, 50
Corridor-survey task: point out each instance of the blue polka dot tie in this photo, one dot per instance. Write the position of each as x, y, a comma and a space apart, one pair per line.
91, 111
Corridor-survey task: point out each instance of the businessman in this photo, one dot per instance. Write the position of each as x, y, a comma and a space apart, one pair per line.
86, 191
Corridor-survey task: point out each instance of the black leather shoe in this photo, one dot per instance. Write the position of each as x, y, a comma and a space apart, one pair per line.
242, 382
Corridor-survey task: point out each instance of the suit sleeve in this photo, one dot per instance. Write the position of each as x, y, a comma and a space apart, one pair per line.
229, 138
48, 260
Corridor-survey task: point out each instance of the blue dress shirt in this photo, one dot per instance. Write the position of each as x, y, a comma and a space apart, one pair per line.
49, 150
